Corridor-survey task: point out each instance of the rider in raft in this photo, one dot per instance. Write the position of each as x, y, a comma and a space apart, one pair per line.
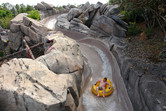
102, 86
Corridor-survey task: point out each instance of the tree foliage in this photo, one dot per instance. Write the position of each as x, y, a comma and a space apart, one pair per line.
153, 12
8, 11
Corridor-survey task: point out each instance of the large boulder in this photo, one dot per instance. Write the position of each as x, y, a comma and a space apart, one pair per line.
34, 29
104, 9
28, 85
46, 9
65, 57
18, 18
67, 50
77, 25
107, 27
85, 6
40, 6
74, 13
24, 29
87, 16
62, 21
119, 21
15, 40
33, 36
43, 14
14, 27
98, 5
48, 6
38, 26
113, 10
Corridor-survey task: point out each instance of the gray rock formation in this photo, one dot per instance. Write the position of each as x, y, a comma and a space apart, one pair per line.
14, 27
48, 6
15, 40
67, 50
40, 6
28, 85
85, 6
18, 19
107, 26
119, 21
66, 55
146, 91
113, 10
74, 13
51, 82
62, 21
22, 26
78, 26
46, 9
97, 20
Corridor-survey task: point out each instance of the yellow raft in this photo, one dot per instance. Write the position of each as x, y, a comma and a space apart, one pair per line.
108, 90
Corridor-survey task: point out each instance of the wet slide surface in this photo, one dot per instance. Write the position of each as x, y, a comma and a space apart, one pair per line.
100, 63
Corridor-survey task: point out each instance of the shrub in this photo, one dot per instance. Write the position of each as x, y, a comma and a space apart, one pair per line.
59, 7
4, 22
34, 14
151, 12
112, 1
5, 13
132, 16
133, 29
149, 31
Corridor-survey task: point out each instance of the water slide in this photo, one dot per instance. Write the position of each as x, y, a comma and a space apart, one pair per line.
99, 63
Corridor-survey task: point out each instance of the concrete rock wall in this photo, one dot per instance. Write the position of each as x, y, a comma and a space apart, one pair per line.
146, 91
99, 20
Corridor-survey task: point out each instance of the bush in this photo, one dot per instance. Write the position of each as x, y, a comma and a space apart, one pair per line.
58, 7
149, 31
34, 14
132, 16
4, 13
151, 12
112, 1
4, 22
133, 29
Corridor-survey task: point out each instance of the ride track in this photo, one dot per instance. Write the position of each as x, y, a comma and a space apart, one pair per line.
99, 63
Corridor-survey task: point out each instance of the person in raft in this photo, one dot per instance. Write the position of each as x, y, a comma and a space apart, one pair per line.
102, 86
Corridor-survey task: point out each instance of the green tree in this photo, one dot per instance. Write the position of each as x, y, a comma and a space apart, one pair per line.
29, 8
6, 6
13, 11
22, 8
17, 8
